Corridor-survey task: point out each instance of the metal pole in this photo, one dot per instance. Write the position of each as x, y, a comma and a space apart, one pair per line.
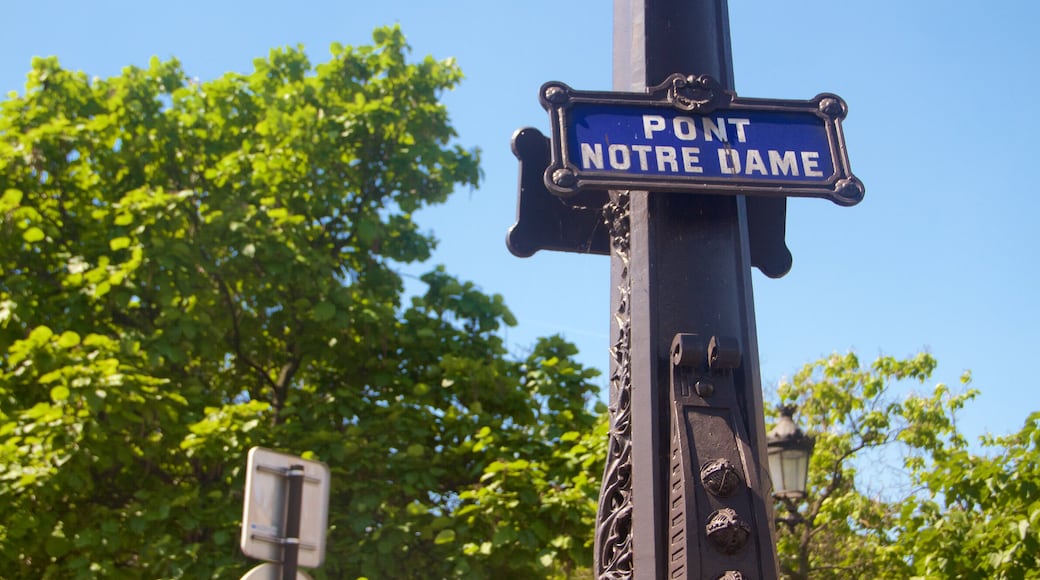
680, 264
291, 540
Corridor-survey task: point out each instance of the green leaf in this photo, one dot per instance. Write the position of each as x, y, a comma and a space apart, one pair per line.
33, 235
57, 546
503, 536
417, 509
68, 339
119, 243
59, 393
416, 450
324, 311
569, 436
10, 200
445, 537
41, 334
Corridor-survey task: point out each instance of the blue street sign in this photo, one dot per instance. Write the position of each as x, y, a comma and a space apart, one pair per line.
690, 135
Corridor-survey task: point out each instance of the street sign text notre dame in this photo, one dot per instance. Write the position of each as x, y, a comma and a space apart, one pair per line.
688, 134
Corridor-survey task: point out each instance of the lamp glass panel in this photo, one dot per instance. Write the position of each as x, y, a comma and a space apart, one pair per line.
776, 470
795, 463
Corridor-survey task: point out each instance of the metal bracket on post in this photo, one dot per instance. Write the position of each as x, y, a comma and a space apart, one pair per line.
709, 478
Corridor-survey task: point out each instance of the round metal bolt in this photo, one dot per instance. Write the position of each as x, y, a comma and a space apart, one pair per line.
727, 531
556, 95
849, 191
565, 178
720, 477
704, 388
832, 107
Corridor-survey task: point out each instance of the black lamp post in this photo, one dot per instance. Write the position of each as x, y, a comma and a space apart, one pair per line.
789, 452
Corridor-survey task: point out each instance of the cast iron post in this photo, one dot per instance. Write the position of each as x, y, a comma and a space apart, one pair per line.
681, 293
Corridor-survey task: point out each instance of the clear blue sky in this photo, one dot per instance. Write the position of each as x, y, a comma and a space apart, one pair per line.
939, 256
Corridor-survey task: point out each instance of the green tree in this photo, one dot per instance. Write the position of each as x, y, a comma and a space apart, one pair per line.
189, 269
980, 514
937, 511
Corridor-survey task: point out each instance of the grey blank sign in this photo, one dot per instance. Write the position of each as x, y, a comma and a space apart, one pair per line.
264, 509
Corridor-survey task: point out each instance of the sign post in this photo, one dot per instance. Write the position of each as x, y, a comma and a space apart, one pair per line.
656, 175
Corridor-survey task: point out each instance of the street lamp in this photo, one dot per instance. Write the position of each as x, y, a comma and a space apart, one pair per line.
789, 452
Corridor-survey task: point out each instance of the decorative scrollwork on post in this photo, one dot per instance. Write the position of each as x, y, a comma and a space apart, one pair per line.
697, 94
613, 557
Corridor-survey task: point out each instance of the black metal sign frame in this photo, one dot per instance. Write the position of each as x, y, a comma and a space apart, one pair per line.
696, 95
